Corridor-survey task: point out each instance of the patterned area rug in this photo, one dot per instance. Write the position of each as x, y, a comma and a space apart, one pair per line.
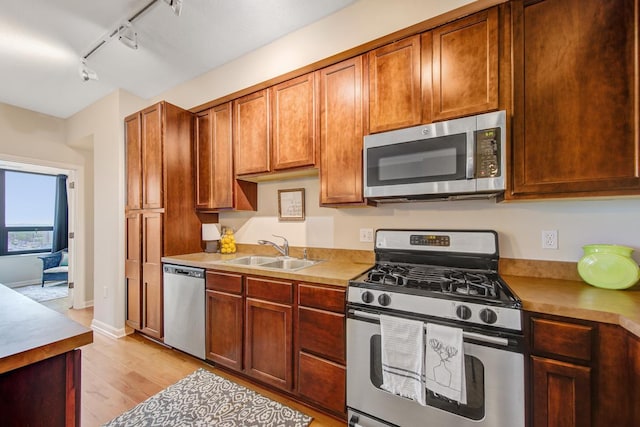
206, 399
49, 292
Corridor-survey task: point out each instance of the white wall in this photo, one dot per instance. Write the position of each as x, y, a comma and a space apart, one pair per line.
519, 224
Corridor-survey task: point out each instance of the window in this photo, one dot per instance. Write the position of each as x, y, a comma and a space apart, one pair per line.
27, 205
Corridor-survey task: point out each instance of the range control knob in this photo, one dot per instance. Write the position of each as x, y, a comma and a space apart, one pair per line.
463, 312
384, 300
367, 297
488, 316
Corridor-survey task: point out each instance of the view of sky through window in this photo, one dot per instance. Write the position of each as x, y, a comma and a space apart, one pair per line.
30, 199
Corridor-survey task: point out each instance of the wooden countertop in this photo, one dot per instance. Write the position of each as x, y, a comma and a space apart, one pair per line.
31, 332
329, 272
579, 300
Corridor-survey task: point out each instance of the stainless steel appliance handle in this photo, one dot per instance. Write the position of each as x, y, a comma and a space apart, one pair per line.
471, 335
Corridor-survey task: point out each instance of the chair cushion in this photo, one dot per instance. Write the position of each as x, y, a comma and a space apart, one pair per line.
65, 259
60, 269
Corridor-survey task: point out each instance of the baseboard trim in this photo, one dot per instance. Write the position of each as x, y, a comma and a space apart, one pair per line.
22, 283
108, 330
84, 304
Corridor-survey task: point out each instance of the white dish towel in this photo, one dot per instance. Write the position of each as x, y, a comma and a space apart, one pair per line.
444, 362
403, 357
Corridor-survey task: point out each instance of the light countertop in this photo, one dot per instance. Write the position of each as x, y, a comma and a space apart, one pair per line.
328, 272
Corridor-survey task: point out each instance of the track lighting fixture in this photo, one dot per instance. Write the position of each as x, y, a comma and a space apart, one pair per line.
87, 73
128, 36
176, 6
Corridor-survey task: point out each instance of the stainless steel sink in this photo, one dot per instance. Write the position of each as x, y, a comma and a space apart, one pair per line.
252, 260
290, 264
275, 263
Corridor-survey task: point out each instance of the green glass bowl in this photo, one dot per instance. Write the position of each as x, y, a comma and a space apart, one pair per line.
608, 266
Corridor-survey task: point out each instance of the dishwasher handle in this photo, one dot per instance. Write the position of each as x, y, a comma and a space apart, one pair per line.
182, 270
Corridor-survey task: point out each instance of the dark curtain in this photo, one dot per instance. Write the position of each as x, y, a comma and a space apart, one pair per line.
60, 239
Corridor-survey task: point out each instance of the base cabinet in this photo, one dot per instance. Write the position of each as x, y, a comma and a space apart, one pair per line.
225, 319
289, 336
321, 341
580, 373
46, 393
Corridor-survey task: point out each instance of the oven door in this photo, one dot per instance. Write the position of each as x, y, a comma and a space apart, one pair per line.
494, 381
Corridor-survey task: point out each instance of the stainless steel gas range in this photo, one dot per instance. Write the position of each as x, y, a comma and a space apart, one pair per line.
443, 277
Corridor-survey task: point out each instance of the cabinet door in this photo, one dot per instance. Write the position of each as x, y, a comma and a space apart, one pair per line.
204, 160
251, 133
152, 274
634, 381
293, 123
465, 66
134, 161
132, 265
224, 329
151, 147
341, 133
268, 347
214, 159
394, 86
322, 381
575, 126
561, 394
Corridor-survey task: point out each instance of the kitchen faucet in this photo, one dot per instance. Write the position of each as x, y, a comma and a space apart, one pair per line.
284, 249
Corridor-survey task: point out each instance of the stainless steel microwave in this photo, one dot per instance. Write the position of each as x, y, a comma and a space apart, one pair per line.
461, 158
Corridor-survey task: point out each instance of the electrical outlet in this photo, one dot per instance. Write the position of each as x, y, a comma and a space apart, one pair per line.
106, 292
366, 234
549, 239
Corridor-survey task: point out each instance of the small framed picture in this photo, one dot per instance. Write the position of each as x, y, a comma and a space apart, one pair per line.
291, 204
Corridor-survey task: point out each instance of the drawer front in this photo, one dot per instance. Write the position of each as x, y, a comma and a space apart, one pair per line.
321, 297
322, 333
322, 381
224, 282
562, 338
270, 290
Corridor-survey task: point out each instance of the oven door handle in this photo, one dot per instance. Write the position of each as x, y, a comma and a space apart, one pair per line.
471, 335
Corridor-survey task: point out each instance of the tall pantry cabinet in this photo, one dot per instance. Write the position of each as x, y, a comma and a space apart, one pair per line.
159, 213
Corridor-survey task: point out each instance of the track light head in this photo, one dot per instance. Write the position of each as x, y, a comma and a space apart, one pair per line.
128, 36
86, 73
176, 6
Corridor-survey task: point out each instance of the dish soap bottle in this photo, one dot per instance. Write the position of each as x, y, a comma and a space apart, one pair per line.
228, 242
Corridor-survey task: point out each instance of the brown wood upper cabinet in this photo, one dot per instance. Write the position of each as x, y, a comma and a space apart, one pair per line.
342, 119
293, 123
394, 86
214, 158
464, 67
575, 123
216, 187
252, 133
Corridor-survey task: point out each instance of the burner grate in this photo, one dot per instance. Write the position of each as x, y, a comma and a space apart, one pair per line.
437, 279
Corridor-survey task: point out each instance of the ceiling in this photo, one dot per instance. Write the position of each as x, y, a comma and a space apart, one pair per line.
42, 43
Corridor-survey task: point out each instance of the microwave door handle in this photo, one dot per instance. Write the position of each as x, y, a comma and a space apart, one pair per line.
471, 154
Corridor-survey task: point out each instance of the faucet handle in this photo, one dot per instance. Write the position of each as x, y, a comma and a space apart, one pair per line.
286, 242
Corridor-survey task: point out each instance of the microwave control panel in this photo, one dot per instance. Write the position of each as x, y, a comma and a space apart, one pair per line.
487, 153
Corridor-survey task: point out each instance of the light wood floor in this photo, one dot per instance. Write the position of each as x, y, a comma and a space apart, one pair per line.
119, 374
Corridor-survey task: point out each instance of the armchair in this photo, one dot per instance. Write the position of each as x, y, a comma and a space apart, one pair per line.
55, 266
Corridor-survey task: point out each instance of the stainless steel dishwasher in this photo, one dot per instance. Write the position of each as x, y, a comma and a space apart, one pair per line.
184, 309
